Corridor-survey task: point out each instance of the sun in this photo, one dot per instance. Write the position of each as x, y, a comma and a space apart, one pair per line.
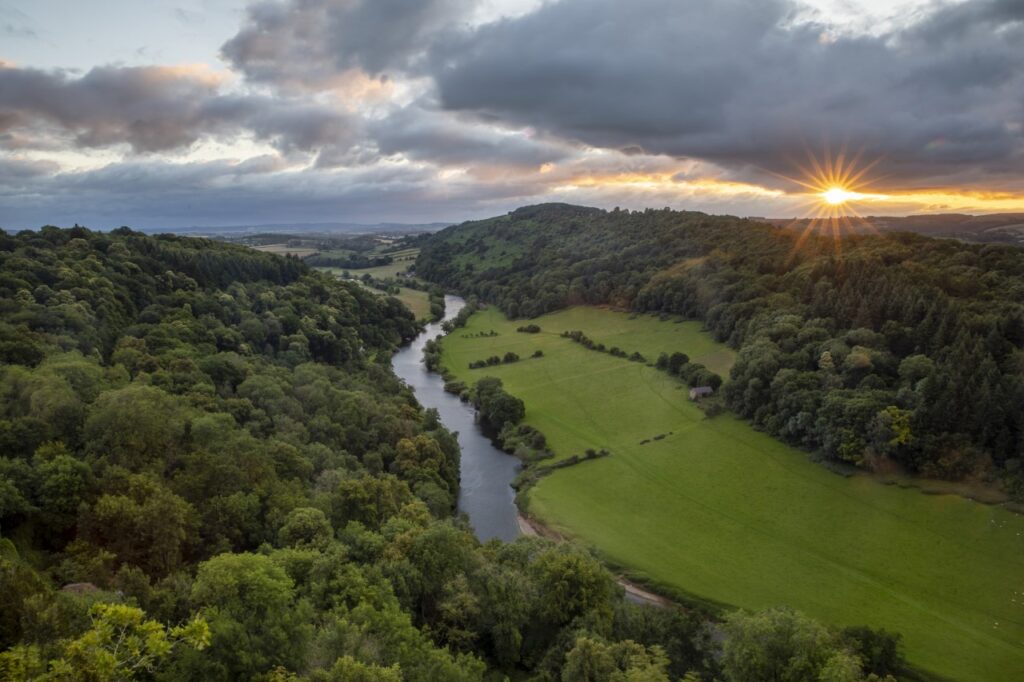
834, 186
836, 196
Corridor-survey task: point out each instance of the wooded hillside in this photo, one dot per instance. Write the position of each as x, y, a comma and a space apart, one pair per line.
869, 349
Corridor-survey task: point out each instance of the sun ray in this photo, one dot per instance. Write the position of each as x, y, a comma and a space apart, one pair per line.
834, 184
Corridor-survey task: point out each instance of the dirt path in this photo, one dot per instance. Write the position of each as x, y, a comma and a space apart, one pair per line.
634, 592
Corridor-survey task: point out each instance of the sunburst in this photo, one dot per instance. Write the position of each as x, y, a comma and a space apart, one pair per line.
835, 185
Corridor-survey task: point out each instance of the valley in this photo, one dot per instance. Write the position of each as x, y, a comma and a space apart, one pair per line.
717, 512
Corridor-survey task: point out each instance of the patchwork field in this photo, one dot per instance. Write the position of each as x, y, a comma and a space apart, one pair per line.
285, 250
400, 263
717, 511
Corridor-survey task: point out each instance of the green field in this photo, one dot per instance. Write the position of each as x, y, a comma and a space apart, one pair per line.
285, 250
415, 300
402, 260
721, 512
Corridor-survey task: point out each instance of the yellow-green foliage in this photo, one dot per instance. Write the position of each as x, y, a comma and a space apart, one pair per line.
725, 513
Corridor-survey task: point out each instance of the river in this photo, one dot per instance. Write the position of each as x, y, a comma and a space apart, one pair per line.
485, 491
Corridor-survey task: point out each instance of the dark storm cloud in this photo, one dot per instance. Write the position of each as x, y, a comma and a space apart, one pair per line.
303, 43
438, 137
739, 82
153, 109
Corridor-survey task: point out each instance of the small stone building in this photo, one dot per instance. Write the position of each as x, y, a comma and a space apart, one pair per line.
700, 392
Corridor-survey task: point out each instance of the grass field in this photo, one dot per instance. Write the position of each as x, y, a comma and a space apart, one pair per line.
415, 300
284, 250
720, 512
402, 260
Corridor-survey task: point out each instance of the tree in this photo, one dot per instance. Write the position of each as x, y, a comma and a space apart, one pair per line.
143, 524
306, 527
367, 499
779, 645
348, 669
496, 406
135, 427
63, 483
676, 361
255, 624
879, 650
570, 584
591, 660
120, 645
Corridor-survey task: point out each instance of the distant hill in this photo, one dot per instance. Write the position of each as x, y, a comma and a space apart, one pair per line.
304, 228
1001, 228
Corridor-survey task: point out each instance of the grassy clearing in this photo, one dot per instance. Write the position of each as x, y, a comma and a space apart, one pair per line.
415, 300
284, 250
721, 512
645, 333
402, 260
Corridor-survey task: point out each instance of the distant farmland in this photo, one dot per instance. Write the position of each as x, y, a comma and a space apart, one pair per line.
285, 250
716, 511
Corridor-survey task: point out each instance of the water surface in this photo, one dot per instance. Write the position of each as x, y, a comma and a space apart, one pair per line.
485, 495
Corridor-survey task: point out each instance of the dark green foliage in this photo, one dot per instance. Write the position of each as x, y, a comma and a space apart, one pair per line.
432, 355
496, 406
892, 347
354, 261
506, 359
879, 650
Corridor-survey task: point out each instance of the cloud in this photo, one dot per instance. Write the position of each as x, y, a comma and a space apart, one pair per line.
303, 44
429, 135
155, 109
155, 194
737, 82
149, 108
370, 110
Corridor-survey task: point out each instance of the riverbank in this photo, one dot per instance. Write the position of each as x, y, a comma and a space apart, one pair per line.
634, 592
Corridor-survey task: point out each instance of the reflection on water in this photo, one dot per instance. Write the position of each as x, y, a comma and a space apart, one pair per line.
486, 495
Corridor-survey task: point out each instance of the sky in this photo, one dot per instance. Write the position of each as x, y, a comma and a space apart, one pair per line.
173, 113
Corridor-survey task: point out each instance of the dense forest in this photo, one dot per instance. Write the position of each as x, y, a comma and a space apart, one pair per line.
209, 471
878, 351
